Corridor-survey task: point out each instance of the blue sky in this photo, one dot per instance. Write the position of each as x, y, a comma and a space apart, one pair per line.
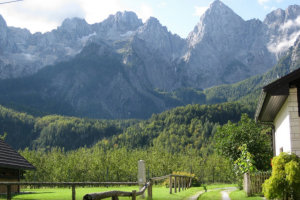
180, 16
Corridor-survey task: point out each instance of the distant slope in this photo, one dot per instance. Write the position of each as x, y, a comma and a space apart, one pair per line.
24, 130
94, 84
248, 90
178, 129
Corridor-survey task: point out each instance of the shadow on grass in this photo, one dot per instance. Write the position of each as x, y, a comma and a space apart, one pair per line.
21, 195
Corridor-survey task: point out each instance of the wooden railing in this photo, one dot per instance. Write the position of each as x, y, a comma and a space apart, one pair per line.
175, 181
178, 182
59, 184
115, 194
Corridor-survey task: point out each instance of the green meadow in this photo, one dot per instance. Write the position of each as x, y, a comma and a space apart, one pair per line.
159, 192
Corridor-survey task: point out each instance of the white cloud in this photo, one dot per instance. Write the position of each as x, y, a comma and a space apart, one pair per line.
98, 10
145, 12
291, 24
45, 15
262, 2
287, 40
284, 44
200, 10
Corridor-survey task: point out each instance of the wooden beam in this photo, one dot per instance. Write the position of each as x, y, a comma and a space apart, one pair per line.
73, 192
150, 190
170, 184
175, 184
133, 194
9, 192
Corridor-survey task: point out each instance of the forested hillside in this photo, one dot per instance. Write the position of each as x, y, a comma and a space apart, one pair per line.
24, 130
179, 129
175, 129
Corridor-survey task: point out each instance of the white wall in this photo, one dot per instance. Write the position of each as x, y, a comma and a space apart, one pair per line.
282, 130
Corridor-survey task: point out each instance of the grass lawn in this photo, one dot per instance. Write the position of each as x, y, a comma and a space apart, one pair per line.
241, 195
63, 193
159, 192
212, 195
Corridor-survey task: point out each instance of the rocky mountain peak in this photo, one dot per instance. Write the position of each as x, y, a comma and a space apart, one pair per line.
3, 32
276, 16
128, 17
2, 22
218, 8
73, 23
218, 19
126, 20
280, 16
152, 24
292, 12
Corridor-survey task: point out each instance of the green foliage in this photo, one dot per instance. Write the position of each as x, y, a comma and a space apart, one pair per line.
231, 136
285, 179
120, 164
245, 162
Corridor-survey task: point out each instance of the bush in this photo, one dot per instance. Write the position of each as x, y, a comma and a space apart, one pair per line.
285, 179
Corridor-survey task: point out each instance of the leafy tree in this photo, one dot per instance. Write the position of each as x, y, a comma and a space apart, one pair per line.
231, 136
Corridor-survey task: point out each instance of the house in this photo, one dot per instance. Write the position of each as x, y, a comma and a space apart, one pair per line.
279, 106
12, 166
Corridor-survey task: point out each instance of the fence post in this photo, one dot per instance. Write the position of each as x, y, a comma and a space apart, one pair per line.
170, 183
247, 183
8, 192
150, 190
73, 192
115, 198
141, 175
175, 184
133, 194
179, 184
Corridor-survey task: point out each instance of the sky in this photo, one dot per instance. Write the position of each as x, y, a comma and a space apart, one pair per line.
179, 16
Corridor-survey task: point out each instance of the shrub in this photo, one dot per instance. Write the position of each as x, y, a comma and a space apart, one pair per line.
285, 179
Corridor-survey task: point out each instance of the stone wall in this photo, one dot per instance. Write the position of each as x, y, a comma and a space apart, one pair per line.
294, 121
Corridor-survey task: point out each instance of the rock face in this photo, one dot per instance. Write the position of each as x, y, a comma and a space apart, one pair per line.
141, 59
223, 48
283, 29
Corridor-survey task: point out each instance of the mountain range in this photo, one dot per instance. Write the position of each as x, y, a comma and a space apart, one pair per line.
124, 68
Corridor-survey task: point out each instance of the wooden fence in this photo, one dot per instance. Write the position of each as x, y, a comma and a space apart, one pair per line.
115, 194
59, 184
178, 182
253, 182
